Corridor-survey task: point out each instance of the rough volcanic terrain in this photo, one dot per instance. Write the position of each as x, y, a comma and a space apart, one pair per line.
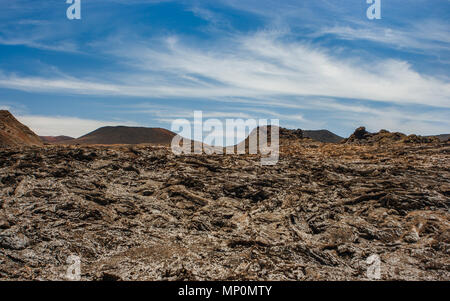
142, 213
13, 133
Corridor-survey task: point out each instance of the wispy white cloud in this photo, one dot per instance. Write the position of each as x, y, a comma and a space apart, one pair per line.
69, 126
260, 65
406, 126
62, 46
424, 36
35, 33
273, 69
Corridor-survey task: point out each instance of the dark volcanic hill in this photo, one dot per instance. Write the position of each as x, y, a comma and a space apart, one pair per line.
126, 135
55, 139
323, 136
285, 136
316, 135
13, 133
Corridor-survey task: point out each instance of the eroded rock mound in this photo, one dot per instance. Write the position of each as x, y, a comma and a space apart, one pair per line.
284, 134
324, 136
362, 136
421, 139
291, 134
263, 134
13, 133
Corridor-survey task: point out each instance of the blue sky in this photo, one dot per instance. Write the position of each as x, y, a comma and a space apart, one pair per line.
312, 64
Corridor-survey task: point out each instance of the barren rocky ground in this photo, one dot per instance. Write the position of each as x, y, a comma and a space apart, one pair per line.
141, 213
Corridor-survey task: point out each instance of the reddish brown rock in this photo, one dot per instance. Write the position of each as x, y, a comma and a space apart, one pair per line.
13, 133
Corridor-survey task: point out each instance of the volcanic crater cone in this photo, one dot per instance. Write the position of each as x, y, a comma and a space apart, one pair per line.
126, 135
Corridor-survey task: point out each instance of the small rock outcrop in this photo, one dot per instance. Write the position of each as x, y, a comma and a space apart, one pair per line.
291, 134
362, 136
421, 139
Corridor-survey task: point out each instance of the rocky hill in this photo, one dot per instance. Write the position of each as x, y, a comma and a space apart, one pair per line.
323, 136
13, 133
126, 135
361, 136
285, 136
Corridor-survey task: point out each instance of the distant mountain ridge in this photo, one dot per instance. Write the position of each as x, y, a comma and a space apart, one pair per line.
318, 135
55, 139
125, 135
442, 137
13, 133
